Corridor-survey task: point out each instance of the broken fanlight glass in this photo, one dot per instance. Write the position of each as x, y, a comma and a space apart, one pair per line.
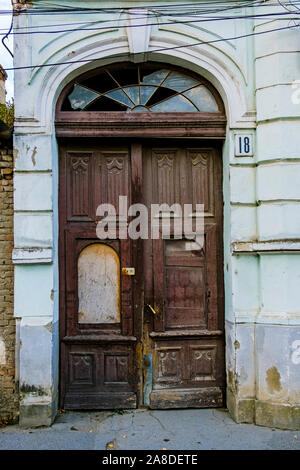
141, 89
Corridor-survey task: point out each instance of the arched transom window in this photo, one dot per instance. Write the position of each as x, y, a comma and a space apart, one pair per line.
141, 88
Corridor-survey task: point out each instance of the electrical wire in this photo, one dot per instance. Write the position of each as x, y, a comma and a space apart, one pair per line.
6, 36
157, 14
186, 21
257, 33
202, 20
195, 7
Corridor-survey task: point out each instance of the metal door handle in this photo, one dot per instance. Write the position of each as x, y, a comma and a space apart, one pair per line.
152, 309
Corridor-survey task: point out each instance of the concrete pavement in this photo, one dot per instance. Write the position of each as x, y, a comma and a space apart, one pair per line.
205, 429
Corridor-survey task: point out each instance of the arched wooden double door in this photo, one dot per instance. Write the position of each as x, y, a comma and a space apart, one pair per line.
141, 318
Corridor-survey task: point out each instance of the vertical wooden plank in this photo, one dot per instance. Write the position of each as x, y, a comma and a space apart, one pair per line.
126, 290
148, 255
137, 245
212, 279
71, 284
158, 284
138, 263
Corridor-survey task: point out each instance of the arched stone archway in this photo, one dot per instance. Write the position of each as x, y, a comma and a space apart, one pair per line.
172, 309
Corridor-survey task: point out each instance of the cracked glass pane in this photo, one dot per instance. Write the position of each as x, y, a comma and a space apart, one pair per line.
146, 93
179, 82
81, 97
140, 89
119, 95
155, 78
133, 93
175, 103
202, 98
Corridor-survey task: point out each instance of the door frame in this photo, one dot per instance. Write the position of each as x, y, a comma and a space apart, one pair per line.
136, 179
159, 125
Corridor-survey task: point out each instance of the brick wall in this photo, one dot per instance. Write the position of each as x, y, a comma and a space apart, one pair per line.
8, 395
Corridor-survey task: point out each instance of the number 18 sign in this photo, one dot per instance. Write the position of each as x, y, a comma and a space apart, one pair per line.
243, 145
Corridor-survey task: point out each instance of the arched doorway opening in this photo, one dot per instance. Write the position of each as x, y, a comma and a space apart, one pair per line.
152, 135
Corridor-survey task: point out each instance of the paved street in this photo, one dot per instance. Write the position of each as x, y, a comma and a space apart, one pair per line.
205, 429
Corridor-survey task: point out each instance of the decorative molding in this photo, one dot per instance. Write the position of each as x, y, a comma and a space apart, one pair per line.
165, 160
114, 165
138, 36
279, 246
80, 165
199, 158
173, 124
32, 256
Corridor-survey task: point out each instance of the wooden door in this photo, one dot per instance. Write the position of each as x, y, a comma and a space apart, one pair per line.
98, 303
154, 338
183, 285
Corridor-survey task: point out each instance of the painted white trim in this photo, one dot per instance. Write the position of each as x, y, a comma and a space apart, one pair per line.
32, 255
212, 63
266, 247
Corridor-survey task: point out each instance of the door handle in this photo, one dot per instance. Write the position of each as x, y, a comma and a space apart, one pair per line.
152, 309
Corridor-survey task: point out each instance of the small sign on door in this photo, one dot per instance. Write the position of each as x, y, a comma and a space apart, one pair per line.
243, 145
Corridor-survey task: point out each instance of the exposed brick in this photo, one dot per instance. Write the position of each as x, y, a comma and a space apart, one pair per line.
8, 393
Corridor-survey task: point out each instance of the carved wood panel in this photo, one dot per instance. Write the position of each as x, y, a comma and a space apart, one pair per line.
79, 181
202, 178
113, 167
203, 362
82, 369
169, 364
93, 178
183, 362
116, 368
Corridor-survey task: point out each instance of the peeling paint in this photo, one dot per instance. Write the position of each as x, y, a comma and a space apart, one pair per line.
33, 156
273, 380
237, 344
25, 388
15, 154
232, 381
49, 327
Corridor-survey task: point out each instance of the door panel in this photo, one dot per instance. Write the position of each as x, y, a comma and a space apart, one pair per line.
97, 337
185, 324
103, 338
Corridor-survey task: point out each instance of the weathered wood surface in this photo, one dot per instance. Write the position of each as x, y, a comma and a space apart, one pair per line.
185, 287
211, 397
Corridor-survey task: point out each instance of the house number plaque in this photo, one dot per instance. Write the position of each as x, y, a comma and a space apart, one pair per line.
243, 145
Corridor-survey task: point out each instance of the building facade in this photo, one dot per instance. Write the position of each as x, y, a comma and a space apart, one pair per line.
220, 327
3, 76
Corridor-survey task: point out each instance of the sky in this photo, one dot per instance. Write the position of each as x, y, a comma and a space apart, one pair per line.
5, 58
